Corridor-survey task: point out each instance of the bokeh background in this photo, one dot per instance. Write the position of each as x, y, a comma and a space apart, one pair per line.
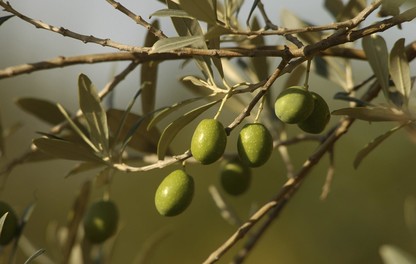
363, 211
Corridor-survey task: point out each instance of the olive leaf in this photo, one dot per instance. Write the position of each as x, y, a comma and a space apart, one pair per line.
42, 109
173, 128
390, 7
5, 18
260, 65
372, 114
66, 150
2, 219
140, 138
373, 144
33, 257
394, 255
375, 49
201, 10
170, 44
94, 113
399, 69
334, 7
148, 76
171, 13
351, 9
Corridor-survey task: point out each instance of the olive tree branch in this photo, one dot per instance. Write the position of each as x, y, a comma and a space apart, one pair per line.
138, 19
232, 52
350, 24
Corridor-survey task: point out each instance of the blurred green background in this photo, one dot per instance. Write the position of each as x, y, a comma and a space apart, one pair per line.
364, 209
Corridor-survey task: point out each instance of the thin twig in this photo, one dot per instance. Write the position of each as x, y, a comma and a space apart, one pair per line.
225, 209
329, 175
138, 19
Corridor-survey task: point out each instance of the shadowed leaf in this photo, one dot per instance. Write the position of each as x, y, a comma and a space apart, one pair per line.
142, 139
399, 69
5, 18
390, 7
351, 9
375, 49
94, 113
33, 257
334, 7
373, 144
374, 114
148, 76
82, 167
66, 150
42, 109
173, 128
201, 9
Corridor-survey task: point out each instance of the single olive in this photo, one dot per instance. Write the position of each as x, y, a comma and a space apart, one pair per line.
100, 221
254, 145
208, 141
10, 225
316, 122
294, 105
174, 193
235, 176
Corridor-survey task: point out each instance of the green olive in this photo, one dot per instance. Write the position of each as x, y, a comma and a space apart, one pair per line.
100, 221
294, 105
254, 145
10, 226
235, 176
208, 141
316, 122
174, 193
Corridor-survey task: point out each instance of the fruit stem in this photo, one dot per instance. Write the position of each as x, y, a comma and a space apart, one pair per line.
308, 67
260, 109
222, 104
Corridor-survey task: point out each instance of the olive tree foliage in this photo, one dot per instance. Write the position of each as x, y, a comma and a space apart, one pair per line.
213, 34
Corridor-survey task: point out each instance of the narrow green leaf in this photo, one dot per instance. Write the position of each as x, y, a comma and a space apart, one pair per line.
94, 113
32, 258
76, 129
66, 150
148, 76
372, 114
215, 43
399, 69
134, 130
42, 109
171, 13
253, 7
395, 255
160, 115
2, 219
173, 128
375, 49
170, 44
373, 144
201, 10
5, 18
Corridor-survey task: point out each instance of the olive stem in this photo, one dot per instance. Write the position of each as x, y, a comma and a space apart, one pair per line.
222, 104
308, 68
260, 109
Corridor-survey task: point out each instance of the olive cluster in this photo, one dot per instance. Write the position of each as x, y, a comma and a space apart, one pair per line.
296, 105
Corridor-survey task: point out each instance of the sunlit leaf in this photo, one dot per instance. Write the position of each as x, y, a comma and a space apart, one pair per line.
94, 113
373, 114
171, 13
373, 144
173, 128
42, 109
65, 150
170, 44
376, 51
394, 255
141, 139
399, 69
5, 18
148, 76
201, 9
